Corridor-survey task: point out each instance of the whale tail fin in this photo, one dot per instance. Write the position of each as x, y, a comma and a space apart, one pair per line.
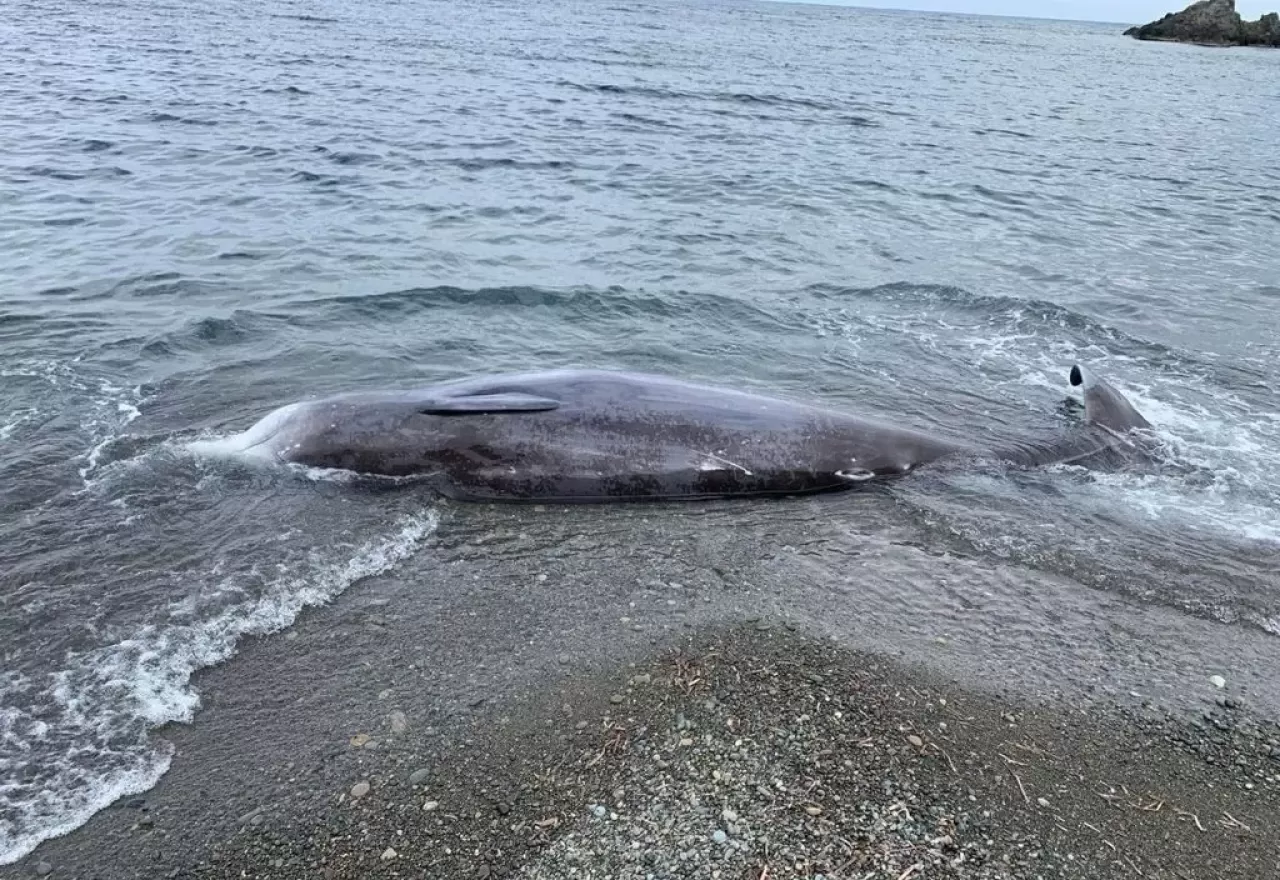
1104, 406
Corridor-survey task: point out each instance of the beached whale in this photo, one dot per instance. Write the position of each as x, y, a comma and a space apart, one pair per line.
596, 435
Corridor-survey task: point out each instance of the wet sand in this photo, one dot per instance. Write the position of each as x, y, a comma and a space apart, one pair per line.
673, 706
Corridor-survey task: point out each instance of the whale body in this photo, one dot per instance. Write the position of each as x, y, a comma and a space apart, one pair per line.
598, 435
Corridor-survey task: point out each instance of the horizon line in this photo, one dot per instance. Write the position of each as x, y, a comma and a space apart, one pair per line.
861, 6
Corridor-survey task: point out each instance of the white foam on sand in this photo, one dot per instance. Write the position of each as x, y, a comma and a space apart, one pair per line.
103, 703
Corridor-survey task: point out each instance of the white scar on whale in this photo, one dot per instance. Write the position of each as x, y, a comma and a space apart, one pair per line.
713, 461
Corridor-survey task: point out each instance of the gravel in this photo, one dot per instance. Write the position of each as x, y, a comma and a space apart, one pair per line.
741, 754
792, 760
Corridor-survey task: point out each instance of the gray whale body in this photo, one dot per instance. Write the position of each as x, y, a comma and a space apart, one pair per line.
597, 435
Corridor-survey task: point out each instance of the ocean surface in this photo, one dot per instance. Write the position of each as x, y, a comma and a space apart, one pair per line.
209, 210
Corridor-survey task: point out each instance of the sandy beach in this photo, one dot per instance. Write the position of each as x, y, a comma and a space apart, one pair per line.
626, 733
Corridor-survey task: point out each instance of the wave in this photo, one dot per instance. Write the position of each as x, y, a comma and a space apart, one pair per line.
473, 163
92, 719
615, 302
766, 99
61, 456
1201, 544
1003, 131
207, 332
11, 421
323, 180
104, 172
162, 118
348, 157
1046, 319
309, 19
105, 99
155, 284
646, 121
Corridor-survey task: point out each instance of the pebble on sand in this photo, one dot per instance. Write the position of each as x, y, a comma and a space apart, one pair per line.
399, 723
1217, 681
359, 790
44, 868
417, 777
388, 854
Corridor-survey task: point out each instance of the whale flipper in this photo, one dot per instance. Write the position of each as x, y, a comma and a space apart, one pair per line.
479, 404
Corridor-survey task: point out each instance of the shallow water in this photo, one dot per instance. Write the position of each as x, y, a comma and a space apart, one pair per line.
209, 212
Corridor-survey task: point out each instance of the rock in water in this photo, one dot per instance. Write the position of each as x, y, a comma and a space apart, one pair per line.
1214, 23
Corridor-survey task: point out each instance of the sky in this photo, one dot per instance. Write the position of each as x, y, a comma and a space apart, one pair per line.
1126, 11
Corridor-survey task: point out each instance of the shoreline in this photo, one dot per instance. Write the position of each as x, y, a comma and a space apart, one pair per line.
525, 667
751, 750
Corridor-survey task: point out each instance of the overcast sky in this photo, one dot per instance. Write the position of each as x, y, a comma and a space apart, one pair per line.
1129, 11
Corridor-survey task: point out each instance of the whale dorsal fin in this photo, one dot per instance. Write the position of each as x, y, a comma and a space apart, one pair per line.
1110, 425
1104, 405
478, 404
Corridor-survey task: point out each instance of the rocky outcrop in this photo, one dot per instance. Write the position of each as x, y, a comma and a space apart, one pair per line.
1213, 23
